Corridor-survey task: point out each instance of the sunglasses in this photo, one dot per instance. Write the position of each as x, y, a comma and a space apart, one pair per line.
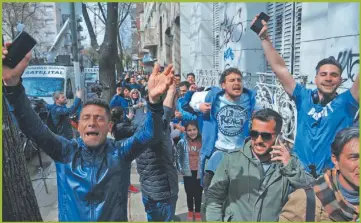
266, 136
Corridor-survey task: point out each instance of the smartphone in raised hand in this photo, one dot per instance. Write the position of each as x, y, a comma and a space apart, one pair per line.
21, 45
257, 25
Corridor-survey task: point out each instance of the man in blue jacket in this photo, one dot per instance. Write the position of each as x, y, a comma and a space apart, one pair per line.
60, 114
226, 115
93, 172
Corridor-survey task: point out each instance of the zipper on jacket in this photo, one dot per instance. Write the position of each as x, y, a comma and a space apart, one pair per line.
92, 205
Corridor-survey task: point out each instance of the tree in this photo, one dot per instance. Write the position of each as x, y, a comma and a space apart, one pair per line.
103, 16
92, 55
28, 14
19, 200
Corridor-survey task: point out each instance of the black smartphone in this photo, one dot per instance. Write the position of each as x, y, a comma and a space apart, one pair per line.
257, 25
22, 44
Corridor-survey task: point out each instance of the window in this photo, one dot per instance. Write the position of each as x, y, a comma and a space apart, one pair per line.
42, 87
284, 30
49, 21
48, 34
49, 8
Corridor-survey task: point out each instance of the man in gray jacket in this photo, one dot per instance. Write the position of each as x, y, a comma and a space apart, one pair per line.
253, 184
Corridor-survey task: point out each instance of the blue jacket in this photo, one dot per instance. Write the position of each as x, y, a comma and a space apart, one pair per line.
210, 129
118, 101
186, 116
92, 183
61, 114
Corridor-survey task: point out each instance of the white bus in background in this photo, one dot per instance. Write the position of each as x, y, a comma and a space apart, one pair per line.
43, 80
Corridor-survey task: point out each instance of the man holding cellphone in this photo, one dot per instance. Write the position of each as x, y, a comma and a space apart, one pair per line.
93, 172
253, 184
321, 113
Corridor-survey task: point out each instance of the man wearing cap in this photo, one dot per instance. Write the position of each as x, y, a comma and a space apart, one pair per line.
321, 113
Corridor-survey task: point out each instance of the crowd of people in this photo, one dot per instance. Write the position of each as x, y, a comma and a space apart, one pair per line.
229, 150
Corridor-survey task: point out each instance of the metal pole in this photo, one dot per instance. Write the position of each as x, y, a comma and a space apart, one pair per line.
79, 81
74, 34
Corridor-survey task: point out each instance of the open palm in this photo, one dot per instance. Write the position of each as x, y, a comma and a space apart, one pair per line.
159, 83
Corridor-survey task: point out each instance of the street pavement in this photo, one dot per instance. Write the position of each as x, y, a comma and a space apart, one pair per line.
48, 202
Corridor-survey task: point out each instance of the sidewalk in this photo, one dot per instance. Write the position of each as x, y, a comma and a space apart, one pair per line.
48, 202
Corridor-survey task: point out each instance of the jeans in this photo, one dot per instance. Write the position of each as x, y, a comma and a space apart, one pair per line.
160, 211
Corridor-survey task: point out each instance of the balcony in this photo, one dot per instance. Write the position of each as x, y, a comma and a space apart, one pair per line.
150, 38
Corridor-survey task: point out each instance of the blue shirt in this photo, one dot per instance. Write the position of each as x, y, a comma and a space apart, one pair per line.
231, 118
317, 126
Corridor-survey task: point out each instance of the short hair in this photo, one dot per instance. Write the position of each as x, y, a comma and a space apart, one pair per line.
117, 114
57, 94
330, 60
266, 115
177, 75
191, 74
123, 89
227, 72
99, 103
184, 83
342, 138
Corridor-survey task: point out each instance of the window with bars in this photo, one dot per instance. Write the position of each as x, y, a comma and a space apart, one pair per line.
284, 30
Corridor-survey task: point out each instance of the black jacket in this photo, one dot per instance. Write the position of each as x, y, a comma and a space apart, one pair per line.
158, 175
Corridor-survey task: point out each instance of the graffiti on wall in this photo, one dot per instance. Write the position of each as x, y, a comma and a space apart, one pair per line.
231, 28
228, 54
350, 64
207, 78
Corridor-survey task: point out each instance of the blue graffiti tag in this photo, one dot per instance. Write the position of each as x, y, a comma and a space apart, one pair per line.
228, 54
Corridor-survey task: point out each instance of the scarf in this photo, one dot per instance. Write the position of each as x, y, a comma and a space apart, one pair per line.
334, 203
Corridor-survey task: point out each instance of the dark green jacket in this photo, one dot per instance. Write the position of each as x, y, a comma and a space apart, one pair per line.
241, 191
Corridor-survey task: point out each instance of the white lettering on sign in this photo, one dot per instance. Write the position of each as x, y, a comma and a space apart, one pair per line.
45, 70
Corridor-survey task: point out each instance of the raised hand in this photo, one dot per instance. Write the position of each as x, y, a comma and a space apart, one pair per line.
263, 33
205, 107
280, 153
159, 83
11, 77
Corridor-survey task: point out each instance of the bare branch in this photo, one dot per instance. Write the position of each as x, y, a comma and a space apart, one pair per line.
102, 11
100, 18
125, 16
93, 38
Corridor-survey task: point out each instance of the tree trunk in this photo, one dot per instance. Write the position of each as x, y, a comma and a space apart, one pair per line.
119, 57
19, 200
106, 52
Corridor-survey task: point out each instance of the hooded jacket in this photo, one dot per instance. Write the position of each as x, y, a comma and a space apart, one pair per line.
244, 192
210, 128
60, 113
139, 110
92, 182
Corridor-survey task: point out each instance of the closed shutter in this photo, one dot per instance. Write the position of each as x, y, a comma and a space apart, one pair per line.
284, 29
297, 38
216, 31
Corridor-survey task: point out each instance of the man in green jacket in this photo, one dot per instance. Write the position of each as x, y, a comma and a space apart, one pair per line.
253, 184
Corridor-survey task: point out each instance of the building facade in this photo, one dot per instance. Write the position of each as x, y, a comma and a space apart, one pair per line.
215, 36
160, 34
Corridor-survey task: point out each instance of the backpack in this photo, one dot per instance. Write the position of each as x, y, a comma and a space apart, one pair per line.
50, 123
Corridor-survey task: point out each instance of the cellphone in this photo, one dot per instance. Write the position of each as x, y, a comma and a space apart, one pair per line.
277, 142
22, 45
257, 25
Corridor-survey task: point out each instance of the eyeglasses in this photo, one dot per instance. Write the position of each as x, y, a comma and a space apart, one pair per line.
266, 136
